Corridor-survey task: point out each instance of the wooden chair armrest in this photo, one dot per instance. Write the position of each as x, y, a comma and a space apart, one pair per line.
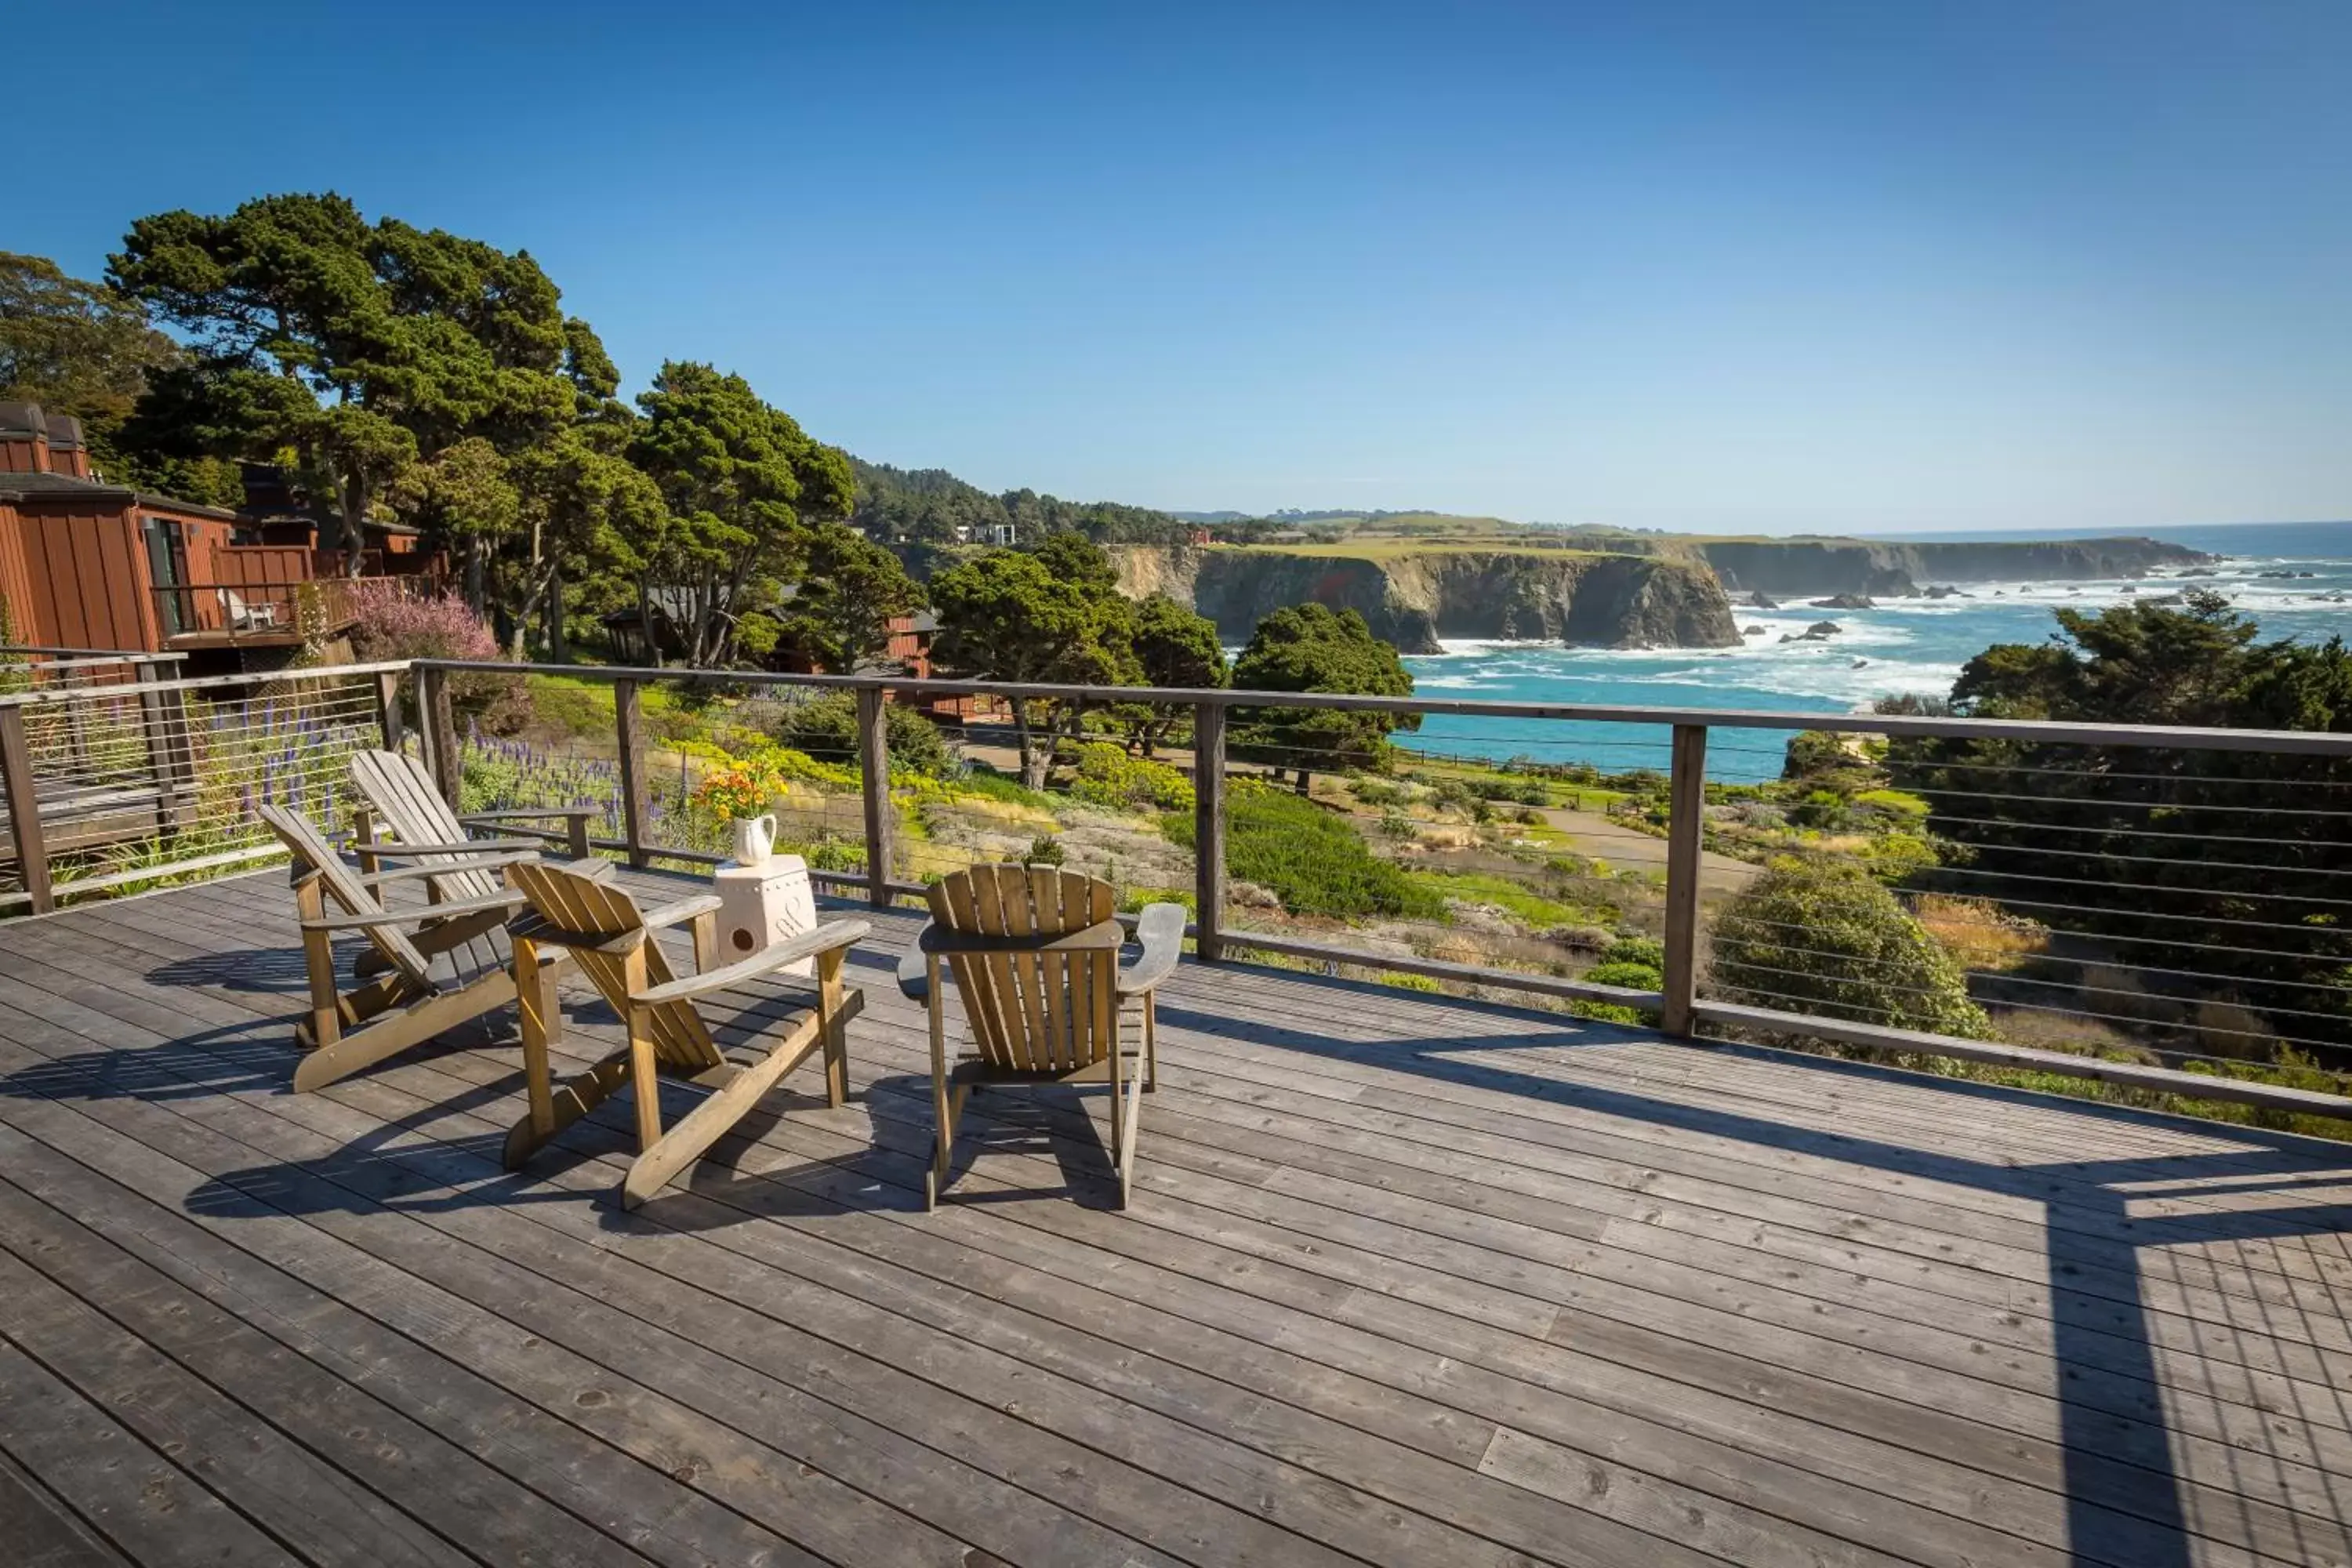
528, 813
469, 847
439, 869
423, 914
1160, 930
825, 939
681, 911
915, 974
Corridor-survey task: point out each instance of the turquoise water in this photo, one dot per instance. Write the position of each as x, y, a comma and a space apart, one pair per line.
1903, 646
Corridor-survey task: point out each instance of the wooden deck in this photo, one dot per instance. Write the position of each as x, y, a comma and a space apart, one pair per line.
1406, 1280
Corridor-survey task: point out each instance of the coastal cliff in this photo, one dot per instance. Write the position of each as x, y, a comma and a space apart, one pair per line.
1884, 569
1414, 598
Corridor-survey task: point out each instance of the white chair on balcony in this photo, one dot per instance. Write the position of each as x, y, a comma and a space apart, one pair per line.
245, 618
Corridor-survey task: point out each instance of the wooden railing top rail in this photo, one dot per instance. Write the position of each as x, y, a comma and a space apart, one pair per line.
70, 657
204, 683
2047, 731
1681, 1008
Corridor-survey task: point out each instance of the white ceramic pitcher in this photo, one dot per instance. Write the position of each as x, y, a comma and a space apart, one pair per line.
755, 839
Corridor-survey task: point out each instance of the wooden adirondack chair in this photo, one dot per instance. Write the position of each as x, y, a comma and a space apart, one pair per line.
613, 941
1035, 952
402, 800
423, 980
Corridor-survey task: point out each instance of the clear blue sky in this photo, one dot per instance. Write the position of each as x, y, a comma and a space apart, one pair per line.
1735, 266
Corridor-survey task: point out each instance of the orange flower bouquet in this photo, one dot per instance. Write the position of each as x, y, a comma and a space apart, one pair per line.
743, 790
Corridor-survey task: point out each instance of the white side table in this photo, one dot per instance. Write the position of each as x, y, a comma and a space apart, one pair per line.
762, 905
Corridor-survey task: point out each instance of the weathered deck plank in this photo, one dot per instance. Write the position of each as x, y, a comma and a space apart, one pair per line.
1405, 1281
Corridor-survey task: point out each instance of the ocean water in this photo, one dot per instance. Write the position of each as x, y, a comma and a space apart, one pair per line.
1903, 646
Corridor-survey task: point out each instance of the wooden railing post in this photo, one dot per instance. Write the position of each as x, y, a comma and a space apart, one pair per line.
387, 708
1685, 831
23, 810
1209, 827
440, 728
164, 716
629, 726
874, 780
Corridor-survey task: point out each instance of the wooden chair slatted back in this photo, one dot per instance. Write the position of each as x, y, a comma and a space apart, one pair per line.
581, 904
314, 856
403, 795
1033, 1011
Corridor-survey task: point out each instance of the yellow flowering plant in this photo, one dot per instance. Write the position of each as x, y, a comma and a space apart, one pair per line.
740, 791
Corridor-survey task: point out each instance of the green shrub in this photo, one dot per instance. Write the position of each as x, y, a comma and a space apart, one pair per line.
571, 706
826, 727
1312, 860
1647, 951
1108, 777
1822, 935
1044, 850
1822, 808
1632, 976
1901, 805
783, 761
1514, 898
1528, 793
989, 784
1132, 901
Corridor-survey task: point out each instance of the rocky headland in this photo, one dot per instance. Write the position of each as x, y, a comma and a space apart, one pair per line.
1413, 598
1884, 569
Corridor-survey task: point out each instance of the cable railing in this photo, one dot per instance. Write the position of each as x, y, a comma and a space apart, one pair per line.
116, 787
2156, 909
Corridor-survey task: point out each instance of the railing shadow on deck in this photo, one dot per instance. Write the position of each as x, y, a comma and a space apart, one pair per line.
2103, 1372
2100, 1370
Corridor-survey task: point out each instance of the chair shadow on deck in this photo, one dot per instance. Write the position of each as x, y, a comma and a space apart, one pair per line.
265, 970
2123, 1491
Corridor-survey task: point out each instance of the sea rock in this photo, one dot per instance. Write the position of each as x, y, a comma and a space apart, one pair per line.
1823, 629
1845, 602
1762, 601
1751, 631
1946, 591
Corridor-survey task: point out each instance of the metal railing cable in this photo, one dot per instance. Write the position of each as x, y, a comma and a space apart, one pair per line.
2066, 891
